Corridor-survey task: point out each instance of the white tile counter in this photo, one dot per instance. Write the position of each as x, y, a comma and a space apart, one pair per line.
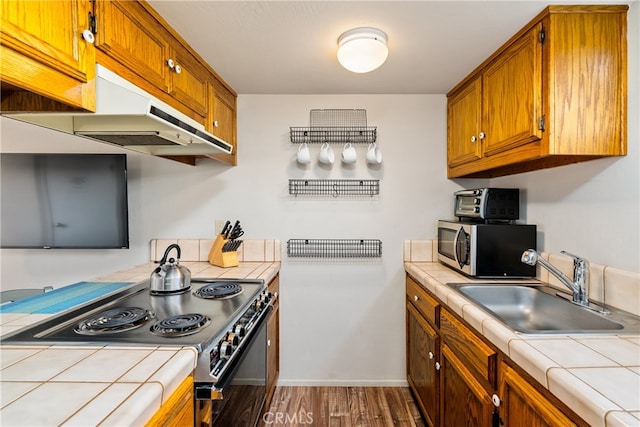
95, 385
596, 376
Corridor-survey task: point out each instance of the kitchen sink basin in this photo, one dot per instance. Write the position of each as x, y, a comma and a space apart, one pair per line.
542, 309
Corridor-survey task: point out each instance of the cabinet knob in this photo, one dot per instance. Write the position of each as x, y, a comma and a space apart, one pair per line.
437, 366
415, 298
215, 123
473, 138
482, 135
178, 69
496, 400
430, 355
170, 63
268, 343
88, 36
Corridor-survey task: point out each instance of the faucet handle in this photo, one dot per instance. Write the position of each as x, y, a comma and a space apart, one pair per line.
576, 259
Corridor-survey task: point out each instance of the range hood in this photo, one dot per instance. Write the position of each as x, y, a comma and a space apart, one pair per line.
128, 116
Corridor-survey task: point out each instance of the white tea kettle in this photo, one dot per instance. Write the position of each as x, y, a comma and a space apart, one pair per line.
170, 277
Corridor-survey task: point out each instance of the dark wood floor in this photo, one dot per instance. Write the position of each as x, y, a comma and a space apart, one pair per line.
342, 406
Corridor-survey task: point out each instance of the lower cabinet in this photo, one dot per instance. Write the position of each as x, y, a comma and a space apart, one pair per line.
179, 409
459, 379
423, 372
273, 341
521, 401
465, 402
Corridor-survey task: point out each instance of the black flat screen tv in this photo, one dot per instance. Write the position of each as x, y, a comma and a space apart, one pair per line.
70, 201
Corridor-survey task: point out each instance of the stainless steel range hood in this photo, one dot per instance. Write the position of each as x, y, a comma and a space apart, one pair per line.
130, 117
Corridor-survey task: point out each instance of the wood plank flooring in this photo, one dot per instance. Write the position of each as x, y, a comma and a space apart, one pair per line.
342, 407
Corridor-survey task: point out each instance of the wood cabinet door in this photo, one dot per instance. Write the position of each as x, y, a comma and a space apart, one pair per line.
464, 402
423, 354
189, 81
512, 95
43, 51
523, 406
178, 410
463, 124
134, 40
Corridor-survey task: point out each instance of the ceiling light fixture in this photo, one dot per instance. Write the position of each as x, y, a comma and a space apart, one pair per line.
362, 49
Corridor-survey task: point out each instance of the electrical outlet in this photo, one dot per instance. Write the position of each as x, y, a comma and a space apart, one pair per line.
219, 224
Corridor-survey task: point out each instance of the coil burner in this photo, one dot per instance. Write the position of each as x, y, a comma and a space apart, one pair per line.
114, 320
218, 290
180, 325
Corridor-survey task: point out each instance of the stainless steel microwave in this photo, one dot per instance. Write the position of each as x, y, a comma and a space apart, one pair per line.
486, 250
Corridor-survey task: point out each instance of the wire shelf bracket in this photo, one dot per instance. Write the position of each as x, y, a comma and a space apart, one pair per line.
334, 248
334, 187
335, 126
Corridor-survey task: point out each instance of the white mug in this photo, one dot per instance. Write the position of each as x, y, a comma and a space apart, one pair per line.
327, 156
304, 155
349, 155
374, 155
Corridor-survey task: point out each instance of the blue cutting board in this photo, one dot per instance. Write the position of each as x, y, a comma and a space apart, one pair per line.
62, 299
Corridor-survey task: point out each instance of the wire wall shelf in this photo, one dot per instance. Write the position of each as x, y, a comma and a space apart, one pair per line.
335, 125
334, 187
334, 248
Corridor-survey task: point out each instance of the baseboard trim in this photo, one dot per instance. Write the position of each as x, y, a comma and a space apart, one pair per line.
341, 383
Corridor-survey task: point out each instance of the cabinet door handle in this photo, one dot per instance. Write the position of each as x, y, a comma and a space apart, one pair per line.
415, 298
215, 123
170, 63
87, 35
268, 343
473, 138
437, 366
482, 135
178, 69
430, 355
496, 400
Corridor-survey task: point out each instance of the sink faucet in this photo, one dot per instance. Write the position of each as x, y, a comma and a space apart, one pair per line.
580, 283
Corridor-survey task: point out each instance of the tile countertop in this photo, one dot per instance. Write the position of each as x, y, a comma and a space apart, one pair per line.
60, 385
596, 376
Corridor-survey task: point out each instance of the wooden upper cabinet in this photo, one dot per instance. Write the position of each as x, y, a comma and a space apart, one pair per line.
46, 64
133, 42
512, 102
464, 113
221, 118
554, 94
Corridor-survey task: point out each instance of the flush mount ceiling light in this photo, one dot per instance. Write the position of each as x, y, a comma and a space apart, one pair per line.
362, 49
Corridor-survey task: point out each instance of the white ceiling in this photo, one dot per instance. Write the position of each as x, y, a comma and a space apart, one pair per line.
289, 47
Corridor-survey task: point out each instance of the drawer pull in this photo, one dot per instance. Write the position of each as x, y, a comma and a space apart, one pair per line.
430, 355
437, 366
415, 298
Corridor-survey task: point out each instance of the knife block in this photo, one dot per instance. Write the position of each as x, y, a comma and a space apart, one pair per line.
222, 259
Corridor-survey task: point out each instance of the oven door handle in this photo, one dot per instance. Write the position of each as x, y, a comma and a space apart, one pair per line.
210, 391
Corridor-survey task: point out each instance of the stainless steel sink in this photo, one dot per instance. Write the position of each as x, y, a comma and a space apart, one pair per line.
542, 309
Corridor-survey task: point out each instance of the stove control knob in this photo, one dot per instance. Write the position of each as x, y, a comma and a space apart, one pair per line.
240, 330
225, 350
260, 305
233, 339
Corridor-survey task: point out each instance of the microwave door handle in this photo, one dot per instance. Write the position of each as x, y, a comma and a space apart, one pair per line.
457, 253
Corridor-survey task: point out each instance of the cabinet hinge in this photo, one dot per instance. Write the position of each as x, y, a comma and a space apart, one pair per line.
541, 123
542, 36
93, 24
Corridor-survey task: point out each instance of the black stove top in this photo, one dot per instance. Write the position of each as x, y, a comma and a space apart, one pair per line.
136, 317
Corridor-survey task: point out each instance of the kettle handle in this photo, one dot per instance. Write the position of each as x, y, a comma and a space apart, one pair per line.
166, 253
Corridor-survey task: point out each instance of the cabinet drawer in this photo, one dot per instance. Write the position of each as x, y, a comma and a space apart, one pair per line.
427, 305
479, 357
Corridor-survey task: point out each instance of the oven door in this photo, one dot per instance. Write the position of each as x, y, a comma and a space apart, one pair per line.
241, 393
